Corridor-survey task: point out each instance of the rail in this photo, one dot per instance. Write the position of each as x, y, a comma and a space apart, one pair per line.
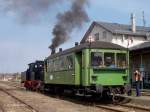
124, 108
111, 107
1, 108
136, 107
19, 100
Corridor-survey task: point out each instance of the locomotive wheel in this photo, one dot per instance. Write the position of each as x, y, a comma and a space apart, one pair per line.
116, 99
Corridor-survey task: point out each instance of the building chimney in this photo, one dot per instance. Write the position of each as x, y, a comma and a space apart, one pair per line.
76, 43
133, 23
60, 49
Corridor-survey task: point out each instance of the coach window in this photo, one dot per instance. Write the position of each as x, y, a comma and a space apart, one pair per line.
46, 63
70, 62
62, 63
109, 60
53, 65
57, 64
96, 59
50, 65
121, 60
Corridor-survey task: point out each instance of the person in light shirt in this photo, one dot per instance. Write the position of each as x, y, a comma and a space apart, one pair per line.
138, 79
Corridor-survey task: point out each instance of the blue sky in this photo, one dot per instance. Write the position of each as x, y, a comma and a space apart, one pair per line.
21, 44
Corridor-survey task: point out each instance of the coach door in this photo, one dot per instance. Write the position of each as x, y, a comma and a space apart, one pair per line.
78, 67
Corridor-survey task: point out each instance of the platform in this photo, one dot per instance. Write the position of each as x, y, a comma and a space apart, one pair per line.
144, 99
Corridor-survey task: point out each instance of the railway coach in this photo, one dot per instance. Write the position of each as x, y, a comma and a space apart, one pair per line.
89, 68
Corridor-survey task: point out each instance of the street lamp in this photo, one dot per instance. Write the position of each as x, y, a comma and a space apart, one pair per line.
90, 40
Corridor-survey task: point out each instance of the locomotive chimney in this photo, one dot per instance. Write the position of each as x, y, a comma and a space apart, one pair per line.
133, 23
53, 51
76, 43
60, 49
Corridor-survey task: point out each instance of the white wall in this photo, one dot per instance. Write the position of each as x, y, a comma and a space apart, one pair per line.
128, 41
117, 39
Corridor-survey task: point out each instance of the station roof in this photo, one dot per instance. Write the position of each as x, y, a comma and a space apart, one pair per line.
144, 45
117, 28
124, 29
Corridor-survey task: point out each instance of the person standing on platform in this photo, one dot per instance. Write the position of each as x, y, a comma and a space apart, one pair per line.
138, 79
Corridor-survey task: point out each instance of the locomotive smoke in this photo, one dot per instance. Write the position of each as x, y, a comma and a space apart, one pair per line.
27, 10
67, 22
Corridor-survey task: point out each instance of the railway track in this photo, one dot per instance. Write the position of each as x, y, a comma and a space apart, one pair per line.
13, 84
143, 108
112, 108
29, 107
109, 107
124, 108
1, 108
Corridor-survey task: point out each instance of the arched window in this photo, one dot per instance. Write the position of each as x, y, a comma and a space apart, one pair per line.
97, 36
104, 34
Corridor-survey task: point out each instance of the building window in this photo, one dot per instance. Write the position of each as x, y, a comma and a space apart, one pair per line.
148, 36
122, 38
104, 34
126, 37
96, 36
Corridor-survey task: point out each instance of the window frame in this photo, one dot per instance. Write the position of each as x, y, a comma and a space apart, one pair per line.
114, 59
102, 57
96, 36
125, 57
103, 66
55, 64
104, 34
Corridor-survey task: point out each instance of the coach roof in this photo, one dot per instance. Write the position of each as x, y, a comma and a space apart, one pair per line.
94, 45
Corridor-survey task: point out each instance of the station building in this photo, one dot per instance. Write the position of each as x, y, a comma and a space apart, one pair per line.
140, 59
135, 38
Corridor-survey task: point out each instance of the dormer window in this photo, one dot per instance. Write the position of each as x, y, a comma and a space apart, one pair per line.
123, 38
148, 36
126, 37
104, 34
96, 36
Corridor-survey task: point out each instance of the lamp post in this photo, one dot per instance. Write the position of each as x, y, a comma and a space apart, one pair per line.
128, 57
90, 40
